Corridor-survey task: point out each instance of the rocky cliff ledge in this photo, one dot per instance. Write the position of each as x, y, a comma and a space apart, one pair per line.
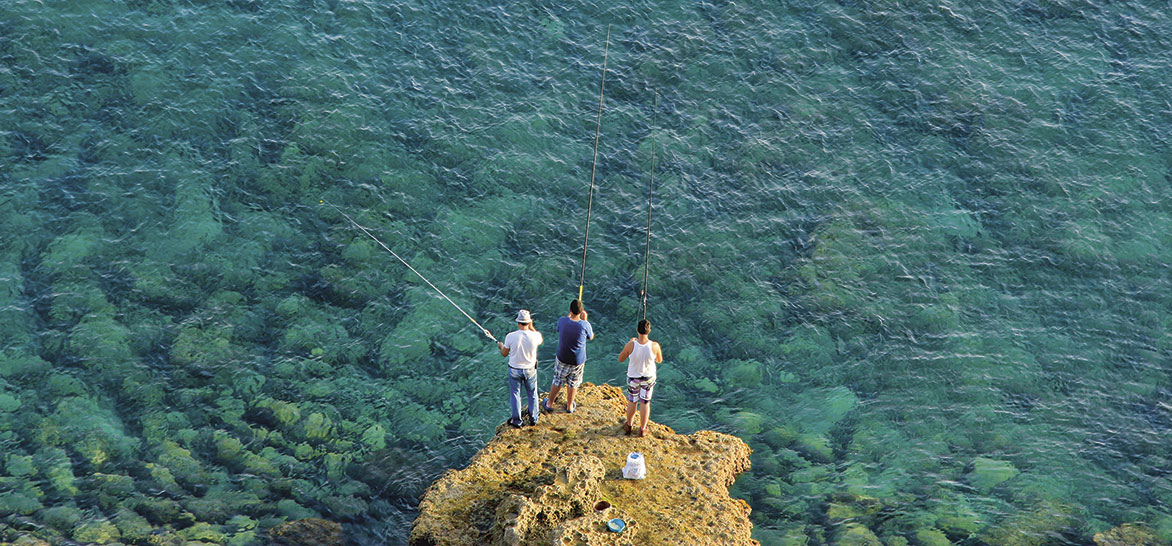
540, 485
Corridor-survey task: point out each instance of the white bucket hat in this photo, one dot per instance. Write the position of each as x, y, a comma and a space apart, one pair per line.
523, 317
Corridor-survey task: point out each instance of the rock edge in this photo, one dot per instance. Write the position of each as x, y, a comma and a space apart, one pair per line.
540, 485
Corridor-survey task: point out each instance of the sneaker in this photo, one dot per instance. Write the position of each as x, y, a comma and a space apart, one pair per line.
528, 420
571, 408
512, 423
545, 407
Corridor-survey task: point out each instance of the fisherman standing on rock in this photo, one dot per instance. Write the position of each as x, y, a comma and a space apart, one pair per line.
644, 354
573, 332
521, 348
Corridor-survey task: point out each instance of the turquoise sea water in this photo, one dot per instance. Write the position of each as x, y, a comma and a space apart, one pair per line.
915, 253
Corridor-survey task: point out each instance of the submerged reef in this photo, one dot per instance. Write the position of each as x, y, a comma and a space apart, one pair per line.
561, 481
307, 532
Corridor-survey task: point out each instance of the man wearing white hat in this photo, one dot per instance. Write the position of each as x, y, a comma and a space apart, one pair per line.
521, 348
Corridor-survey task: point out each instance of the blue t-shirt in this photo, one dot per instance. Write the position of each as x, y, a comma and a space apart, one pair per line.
572, 336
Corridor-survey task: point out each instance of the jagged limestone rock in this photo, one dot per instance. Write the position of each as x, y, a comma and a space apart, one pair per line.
573, 493
540, 485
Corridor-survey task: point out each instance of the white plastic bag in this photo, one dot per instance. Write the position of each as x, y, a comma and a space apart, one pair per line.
636, 469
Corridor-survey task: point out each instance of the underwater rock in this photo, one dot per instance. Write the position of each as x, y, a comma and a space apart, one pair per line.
854, 534
1047, 524
814, 447
307, 532
99, 531
987, 473
1129, 534
956, 517
932, 537
29, 540
540, 485
846, 508
394, 472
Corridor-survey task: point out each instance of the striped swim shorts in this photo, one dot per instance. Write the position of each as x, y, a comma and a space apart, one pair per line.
640, 388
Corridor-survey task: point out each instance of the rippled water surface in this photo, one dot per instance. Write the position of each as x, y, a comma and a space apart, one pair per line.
915, 253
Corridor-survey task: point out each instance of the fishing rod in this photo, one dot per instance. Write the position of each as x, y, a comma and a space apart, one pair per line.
594, 165
388, 249
650, 186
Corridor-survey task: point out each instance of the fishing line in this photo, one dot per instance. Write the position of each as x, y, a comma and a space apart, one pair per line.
650, 186
388, 249
594, 166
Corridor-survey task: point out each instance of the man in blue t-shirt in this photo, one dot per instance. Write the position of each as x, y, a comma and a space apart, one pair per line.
573, 332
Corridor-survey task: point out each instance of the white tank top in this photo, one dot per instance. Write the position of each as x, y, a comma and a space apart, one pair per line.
642, 362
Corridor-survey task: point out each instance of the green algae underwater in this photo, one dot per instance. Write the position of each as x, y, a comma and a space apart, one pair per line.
915, 253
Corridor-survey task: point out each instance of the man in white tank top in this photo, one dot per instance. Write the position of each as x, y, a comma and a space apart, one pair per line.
644, 355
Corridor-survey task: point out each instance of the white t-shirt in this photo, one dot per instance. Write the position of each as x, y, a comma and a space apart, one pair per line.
522, 346
642, 362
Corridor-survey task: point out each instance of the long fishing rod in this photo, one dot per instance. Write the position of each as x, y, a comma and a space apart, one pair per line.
650, 186
433, 287
594, 165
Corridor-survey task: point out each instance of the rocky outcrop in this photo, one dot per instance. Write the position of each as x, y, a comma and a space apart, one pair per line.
541, 485
1129, 534
307, 532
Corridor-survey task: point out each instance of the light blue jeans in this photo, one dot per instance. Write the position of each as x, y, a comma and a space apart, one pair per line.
517, 379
